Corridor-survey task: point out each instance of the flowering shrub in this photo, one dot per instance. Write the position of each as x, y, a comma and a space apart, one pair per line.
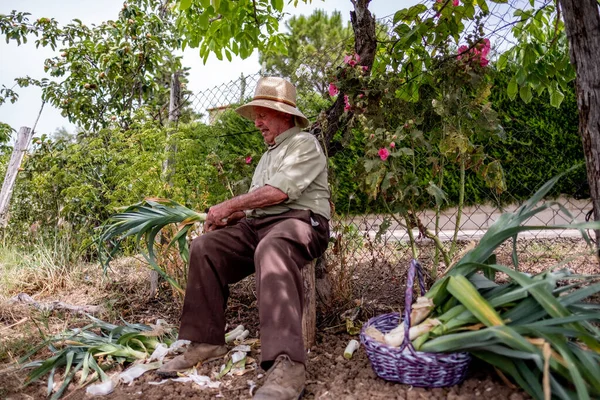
475, 55
349, 80
432, 107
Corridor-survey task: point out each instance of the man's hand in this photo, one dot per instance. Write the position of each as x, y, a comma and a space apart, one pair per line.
217, 217
235, 217
230, 211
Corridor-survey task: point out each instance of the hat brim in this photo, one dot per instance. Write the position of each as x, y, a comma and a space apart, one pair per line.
247, 110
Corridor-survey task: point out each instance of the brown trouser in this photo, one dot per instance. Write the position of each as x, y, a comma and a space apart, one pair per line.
276, 248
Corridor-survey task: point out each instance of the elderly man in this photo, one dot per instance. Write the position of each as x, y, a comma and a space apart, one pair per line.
273, 230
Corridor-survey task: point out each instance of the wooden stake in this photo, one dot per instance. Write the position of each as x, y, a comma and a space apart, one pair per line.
309, 313
23, 139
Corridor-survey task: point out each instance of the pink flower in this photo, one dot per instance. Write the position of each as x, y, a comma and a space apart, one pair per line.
360, 95
383, 153
455, 3
392, 145
365, 68
248, 160
352, 60
478, 53
485, 50
333, 90
347, 105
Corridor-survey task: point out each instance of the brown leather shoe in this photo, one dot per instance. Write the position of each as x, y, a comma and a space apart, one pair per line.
195, 353
284, 381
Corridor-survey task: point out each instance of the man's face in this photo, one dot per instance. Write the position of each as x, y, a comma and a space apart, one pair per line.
271, 123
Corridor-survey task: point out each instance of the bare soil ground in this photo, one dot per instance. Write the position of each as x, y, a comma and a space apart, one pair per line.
376, 287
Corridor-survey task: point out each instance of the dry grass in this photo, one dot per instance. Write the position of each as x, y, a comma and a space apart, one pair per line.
47, 278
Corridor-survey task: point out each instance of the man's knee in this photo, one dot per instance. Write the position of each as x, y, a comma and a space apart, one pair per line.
202, 243
267, 246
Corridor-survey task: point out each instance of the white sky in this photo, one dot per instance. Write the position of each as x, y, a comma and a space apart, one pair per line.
17, 61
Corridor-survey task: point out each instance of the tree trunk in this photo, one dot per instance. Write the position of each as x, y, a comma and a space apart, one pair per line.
365, 45
23, 139
582, 24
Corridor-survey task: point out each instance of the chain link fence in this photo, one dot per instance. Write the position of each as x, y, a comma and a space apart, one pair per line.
366, 240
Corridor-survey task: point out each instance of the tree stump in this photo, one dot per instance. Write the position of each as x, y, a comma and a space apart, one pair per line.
309, 312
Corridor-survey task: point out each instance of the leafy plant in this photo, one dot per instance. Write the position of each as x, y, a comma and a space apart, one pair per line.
315, 43
105, 73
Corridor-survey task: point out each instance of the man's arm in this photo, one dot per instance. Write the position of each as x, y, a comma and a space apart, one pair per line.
259, 198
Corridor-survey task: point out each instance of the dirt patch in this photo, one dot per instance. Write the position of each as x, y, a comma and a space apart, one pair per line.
329, 376
377, 286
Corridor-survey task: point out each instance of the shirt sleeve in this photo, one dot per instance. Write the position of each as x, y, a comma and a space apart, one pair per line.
303, 162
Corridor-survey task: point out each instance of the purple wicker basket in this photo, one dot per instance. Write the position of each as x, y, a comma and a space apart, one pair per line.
404, 364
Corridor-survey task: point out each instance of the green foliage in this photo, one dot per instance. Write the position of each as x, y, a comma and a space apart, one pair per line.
5, 134
541, 141
75, 186
226, 27
315, 44
105, 73
539, 62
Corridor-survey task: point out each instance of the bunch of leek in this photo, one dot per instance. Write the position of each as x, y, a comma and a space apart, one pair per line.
535, 329
92, 350
143, 221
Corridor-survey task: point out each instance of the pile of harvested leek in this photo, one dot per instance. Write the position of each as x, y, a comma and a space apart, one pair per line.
538, 329
90, 351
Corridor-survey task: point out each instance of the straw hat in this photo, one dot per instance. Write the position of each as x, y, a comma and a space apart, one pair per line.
277, 94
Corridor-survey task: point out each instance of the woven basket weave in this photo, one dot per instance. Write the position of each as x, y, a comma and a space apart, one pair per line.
404, 364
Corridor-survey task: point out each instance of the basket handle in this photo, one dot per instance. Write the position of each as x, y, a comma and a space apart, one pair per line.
413, 268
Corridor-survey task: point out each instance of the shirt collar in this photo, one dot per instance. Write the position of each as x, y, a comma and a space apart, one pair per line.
284, 135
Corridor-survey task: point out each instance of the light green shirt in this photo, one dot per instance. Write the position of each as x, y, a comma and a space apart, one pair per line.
296, 165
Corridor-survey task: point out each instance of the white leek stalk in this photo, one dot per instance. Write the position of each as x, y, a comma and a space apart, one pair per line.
375, 334
395, 337
232, 335
420, 310
242, 335
350, 349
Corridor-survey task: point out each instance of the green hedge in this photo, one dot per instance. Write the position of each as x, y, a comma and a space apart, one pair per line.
541, 141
